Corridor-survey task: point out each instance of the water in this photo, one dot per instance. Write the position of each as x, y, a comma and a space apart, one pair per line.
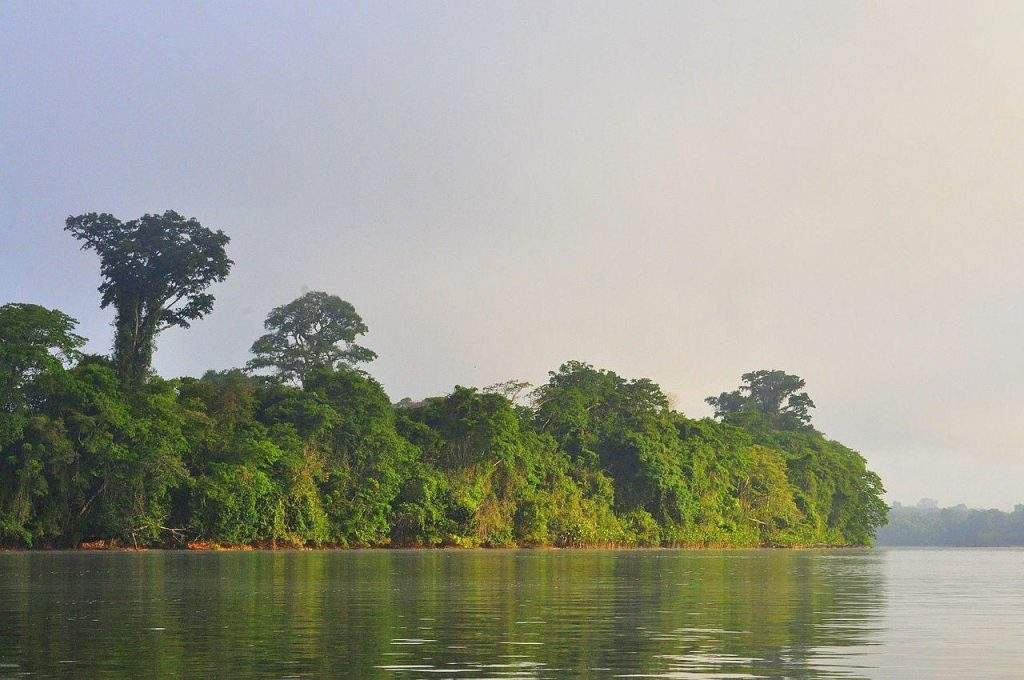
518, 614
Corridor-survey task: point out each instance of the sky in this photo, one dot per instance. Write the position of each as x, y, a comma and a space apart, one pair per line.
680, 191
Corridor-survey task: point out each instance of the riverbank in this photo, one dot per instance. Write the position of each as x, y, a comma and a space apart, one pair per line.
212, 546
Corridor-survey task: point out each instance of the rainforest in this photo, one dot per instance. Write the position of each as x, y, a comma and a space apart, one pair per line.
302, 447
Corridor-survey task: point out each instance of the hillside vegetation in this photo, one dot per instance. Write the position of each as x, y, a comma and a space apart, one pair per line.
926, 524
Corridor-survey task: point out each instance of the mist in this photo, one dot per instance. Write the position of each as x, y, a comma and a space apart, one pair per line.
685, 193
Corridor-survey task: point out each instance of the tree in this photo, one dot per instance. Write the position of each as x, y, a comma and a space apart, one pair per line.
773, 395
155, 270
510, 389
365, 458
623, 428
315, 331
33, 340
92, 462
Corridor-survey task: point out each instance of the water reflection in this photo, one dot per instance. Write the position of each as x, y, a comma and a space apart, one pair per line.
398, 614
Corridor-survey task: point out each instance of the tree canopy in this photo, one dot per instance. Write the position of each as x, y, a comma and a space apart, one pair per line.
315, 331
321, 456
773, 396
33, 340
155, 271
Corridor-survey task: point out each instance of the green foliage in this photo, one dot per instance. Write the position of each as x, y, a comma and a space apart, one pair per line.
155, 270
93, 461
623, 428
33, 340
773, 397
364, 456
97, 449
315, 331
257, 461
229, 458
838, 496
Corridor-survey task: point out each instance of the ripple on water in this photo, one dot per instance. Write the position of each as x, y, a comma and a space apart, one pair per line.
517, 614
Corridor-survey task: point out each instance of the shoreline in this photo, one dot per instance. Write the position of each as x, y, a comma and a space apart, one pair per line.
207, 547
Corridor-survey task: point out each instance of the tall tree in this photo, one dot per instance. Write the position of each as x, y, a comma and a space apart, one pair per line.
774, 395
156, 270
314, 331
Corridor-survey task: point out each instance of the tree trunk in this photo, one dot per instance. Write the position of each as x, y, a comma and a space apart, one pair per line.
133, 343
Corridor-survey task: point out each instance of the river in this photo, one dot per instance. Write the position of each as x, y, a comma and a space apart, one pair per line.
402, 615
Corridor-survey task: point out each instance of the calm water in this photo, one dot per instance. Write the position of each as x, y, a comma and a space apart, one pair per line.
520, 614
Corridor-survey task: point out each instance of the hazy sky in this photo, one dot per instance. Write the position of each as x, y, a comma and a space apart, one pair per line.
679, 191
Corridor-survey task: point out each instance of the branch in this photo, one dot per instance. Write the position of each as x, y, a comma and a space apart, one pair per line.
168, 305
